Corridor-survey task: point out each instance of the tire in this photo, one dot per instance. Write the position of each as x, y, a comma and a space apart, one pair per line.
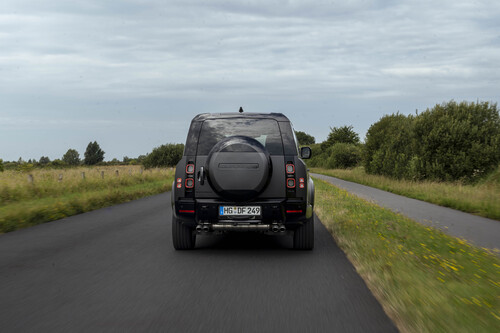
303, 236
239, 168
183, 237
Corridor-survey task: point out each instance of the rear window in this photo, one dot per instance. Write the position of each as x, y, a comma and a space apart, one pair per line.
266, 131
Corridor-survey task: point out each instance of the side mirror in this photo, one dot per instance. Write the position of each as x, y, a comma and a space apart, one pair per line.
305, 152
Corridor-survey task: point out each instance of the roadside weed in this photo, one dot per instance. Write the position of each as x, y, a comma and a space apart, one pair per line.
481, 199
426, 280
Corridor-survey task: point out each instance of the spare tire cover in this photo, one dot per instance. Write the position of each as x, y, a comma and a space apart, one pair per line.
239, 168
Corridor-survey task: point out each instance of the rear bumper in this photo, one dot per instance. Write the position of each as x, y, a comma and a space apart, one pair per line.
289, 212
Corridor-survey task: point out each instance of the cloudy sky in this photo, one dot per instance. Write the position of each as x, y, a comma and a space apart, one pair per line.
131, 74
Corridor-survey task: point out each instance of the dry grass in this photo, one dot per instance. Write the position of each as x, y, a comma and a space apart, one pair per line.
54, 194
15, 185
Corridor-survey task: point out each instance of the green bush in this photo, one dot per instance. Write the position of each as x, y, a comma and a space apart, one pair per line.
457, 141
58, 164
338, 156
1, 165
452, 141
164, 156
317, 156
343, 156
388, 148
304, 138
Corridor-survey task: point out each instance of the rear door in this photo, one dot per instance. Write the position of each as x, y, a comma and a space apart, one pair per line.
266, 131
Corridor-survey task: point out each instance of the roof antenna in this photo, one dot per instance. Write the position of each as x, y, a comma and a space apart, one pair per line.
241, 109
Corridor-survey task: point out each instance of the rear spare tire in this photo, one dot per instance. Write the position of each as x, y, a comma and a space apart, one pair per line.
239, 168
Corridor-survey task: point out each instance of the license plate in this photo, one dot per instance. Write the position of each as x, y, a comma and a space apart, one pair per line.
239, 211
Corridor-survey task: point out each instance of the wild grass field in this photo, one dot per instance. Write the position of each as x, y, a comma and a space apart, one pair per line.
426, 280
481, 199
42, 195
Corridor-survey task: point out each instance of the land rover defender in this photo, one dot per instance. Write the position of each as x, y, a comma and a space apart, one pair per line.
242, 172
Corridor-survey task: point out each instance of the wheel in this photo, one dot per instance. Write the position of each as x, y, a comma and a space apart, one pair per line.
183, 237
303, 236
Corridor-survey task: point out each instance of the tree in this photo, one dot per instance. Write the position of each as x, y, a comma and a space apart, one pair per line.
304, 138
94, 154
1, 165
72, 157
344, 134
44, 160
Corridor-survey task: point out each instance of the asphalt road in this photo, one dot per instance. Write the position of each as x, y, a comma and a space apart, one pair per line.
115, 269
476, 229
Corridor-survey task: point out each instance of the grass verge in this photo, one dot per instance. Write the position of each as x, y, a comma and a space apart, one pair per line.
33, 211
426, 280
480, 199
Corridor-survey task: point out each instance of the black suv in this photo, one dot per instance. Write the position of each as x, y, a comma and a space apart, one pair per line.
242, 172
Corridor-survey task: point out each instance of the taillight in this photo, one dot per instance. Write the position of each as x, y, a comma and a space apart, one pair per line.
301, 183
290, 175
179, 182
189, 183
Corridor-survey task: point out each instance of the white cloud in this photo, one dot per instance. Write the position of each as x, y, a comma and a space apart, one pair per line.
349, 61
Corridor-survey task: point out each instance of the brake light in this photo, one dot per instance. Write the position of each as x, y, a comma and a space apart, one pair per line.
290, 183
190, 169
290, 168
294, 211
